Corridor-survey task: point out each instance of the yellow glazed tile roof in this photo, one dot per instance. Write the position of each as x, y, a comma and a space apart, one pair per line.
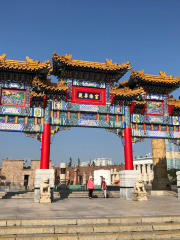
161, 78
127, 92
51, 86
108, 65
139, 102
29, 64
123, 84
34, 94
174, 102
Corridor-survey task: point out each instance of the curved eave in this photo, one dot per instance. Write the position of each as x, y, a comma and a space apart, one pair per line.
141, 79
65, 67
22, 69
46, 85
127, 92
159, 83
37, 95
44, 89
140, 103
84, 73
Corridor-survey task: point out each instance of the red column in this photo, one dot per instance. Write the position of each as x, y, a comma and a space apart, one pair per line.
45, 149
128, 149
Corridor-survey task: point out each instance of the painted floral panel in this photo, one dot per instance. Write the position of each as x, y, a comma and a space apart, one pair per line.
13, 97
155, 108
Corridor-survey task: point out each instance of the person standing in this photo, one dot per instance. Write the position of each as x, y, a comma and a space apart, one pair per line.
90, 186
104, 187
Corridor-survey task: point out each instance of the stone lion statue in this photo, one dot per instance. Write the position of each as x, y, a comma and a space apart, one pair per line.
139, 193
45, 195
139, 185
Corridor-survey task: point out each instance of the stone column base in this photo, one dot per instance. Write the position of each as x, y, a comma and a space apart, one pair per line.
161, 184
39, 174
127, 183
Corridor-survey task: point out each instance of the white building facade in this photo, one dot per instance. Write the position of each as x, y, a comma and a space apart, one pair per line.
99, 174
145, 166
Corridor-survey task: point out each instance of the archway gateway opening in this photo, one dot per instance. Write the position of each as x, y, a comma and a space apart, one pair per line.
87, 95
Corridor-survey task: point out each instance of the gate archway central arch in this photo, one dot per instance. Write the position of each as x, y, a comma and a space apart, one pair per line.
86, 95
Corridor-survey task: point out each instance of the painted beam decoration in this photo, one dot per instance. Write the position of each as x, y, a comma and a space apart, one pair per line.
18, 127
86, 123
21, 111
89, 84
155, 134
170, 120
63, 106
14, 85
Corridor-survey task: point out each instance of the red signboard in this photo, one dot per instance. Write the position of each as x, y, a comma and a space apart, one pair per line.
84, 95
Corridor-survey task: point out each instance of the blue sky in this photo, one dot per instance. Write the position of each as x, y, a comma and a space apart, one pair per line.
145, 33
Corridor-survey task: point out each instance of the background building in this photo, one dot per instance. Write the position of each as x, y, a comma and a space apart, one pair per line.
145, 166
172, 155
13, 173
97, 162
100, 174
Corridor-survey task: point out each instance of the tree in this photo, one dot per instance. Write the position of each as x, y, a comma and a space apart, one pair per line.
172, 173
79, 162
29, 167
93, 164
70, 162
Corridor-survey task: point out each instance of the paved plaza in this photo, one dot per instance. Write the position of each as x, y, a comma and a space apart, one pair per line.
89, 208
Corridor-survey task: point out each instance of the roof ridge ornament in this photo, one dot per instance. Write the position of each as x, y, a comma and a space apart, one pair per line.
162, 74
141, 73
68, 59
3, 57
61, 83
110, 64
30, 61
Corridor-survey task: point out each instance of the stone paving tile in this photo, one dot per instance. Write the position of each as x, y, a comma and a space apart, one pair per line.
89, 208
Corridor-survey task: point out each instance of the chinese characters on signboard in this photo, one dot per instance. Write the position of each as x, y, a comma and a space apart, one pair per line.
88, 95
91, 96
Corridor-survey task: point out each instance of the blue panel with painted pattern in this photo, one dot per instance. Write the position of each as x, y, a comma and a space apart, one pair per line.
30, 120
11, 119
20, 120
63, 115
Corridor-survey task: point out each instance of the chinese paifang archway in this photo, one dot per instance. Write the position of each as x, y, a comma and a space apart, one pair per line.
86, 95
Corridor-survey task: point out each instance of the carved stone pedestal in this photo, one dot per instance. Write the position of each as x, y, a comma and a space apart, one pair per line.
45, 198
127, 183
39, 174
45, 195
139, 193
142, 196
